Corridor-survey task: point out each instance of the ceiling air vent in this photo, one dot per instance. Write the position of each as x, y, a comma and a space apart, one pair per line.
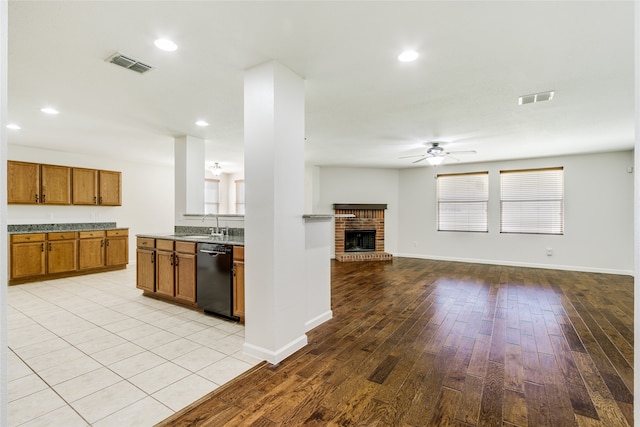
536, 97
129, 63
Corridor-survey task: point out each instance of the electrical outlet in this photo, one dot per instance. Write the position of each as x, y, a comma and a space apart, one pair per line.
549, 251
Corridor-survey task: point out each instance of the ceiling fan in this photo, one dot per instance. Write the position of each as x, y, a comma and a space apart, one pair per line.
436, 154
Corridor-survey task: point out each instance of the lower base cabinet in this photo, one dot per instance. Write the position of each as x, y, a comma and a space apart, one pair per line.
40, 256
173, 277
146, 265
238, 282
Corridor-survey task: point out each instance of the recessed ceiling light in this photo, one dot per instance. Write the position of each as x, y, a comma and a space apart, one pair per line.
408, 56
13, 126
49, 110
166, 45
202, 123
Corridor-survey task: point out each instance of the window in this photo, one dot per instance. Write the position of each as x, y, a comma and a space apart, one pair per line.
462, 202
240, 196
532, 201
211, 196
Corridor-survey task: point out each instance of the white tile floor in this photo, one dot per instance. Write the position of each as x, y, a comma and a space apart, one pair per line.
92, 351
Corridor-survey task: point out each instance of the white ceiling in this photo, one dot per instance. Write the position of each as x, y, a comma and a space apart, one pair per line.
363, 107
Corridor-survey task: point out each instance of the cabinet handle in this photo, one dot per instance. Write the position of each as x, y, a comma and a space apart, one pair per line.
153, 259
176, 260
43, 198
49, 247
42, 247
100, 199
107, 242
94, 200
101, 243
36, 198
171, 259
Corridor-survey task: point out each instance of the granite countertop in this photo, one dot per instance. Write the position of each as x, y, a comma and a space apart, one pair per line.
200, 238
52, 228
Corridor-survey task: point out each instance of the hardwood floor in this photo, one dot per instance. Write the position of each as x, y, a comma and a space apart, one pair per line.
433, 343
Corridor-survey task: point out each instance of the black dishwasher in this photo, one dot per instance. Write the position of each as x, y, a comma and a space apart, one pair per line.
214, 283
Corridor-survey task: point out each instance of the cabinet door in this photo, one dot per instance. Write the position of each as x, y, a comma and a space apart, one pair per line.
185, 266
55, 188
23, 183
62, 256
165, 273
85, 186
238, 289
110, 188
117, 250
27, 259
146, 270
91, 253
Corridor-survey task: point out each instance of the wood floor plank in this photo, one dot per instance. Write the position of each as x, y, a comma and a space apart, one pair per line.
420, 342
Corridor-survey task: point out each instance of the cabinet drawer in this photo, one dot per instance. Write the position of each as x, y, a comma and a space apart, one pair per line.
146, 242
164, 245
23, 238
186, 247
238, 253
62, 235
90, 234
115, 233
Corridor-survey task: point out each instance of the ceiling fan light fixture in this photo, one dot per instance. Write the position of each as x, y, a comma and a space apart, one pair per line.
435, 160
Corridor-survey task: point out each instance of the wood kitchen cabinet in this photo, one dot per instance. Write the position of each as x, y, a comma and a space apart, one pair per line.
146, 264
238, 282
165, 274
91, 253
55, 185
33, 183
40, 256
85, 186
28, 256
97, 187
117, 247
175, 269
110, 188
62, 252
185, 271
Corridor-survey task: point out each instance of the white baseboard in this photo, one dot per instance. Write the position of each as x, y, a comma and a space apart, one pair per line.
318, 320
278, 355
520, 264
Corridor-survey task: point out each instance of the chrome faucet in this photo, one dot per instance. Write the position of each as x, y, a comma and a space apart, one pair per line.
215, 231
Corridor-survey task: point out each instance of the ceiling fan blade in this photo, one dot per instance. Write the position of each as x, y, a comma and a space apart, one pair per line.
420, 160
463, 152
408, 157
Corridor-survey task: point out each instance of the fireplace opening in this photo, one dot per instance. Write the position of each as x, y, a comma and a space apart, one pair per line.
359, 240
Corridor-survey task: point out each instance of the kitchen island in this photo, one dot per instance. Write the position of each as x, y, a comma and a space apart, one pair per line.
173, 268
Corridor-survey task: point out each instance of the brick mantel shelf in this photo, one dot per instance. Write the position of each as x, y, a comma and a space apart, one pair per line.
361, 217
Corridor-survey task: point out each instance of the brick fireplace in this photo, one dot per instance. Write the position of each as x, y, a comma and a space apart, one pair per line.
365, 240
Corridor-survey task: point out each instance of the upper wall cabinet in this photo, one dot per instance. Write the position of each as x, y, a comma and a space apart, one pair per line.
97, 187
33, 183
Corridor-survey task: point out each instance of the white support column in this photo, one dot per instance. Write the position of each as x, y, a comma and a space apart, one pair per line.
189, 175
274, 228
4, 18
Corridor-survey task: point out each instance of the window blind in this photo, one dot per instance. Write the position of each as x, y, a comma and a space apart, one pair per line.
532, 201
240, 196
462, 202
211, 196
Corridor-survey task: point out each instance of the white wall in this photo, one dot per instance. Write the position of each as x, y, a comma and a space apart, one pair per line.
598, 217
147, 195
361, 185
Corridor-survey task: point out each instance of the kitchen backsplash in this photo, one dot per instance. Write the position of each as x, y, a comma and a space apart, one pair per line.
183, 229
